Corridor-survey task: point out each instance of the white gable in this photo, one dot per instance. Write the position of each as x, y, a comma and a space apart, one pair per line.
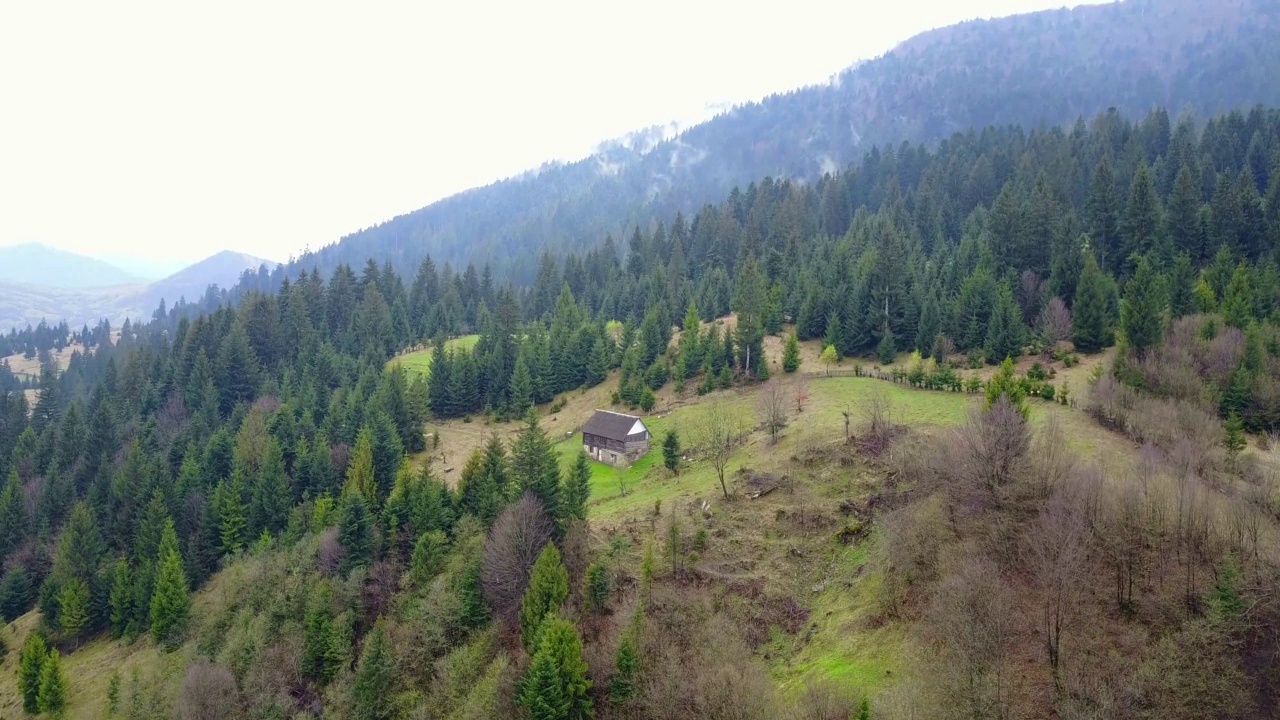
636, 429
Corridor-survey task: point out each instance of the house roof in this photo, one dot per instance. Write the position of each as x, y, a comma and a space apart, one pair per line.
612, 425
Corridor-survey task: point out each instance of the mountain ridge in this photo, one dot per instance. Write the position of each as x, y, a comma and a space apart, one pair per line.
1025, 69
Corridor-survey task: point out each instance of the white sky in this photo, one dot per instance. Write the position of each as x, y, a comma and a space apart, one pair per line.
171, 130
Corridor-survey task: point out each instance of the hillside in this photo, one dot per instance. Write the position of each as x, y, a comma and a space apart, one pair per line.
41, 265
24, 301
1050, 67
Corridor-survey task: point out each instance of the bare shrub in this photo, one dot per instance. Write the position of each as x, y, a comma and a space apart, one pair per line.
972, 619
329, 552
1054, 322
771, 407
1030, 295
209, 692
991, 447
800, 392
825, 700
1191, 674
911, 539
519, 534
1051, 460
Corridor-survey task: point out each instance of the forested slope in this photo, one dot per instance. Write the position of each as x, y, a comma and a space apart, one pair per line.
274, 428
1050, 67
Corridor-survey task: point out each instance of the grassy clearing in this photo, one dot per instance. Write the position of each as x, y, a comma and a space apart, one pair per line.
418, 362
88, 670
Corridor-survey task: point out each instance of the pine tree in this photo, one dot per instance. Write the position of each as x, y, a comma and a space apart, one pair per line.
556, 685
547, 591
1142, 314
375, 675
30, 667
355, 526
577, 489
791, 354
1091, 326
671, 452
51, 698
170, 603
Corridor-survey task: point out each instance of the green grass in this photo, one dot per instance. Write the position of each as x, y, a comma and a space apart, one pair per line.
419, 362
845, 647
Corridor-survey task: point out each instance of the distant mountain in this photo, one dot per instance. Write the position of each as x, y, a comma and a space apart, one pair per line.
222, 269
41, 265
23, 303
1048, 67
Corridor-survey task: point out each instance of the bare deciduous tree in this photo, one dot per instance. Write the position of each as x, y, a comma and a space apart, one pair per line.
973, 617
1054, 323
519, 534
1056, 557
771, 406
991, 447
717, 437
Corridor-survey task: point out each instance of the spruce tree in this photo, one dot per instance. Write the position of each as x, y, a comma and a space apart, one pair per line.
371, 697
521, 388
596, 587
1102, 212
887, 349
232, 513
556, 685
577, 489
1181, 287
30, 666
1140, 227
1184, 216
671, 452
15, 594
13, 515
1234, 439
1091, 326
428, 557
120, 600
627, 665
73, 608
361, 479
170, 603
1142, 314
929, 326
271, 497
51, 698
355, 527
534, 466
547, 591
1005, 331
1237, 301
791, 354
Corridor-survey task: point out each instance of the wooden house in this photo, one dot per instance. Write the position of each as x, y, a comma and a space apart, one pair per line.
615, 438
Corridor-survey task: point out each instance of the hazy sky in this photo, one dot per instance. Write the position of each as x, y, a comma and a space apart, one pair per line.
172, 130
